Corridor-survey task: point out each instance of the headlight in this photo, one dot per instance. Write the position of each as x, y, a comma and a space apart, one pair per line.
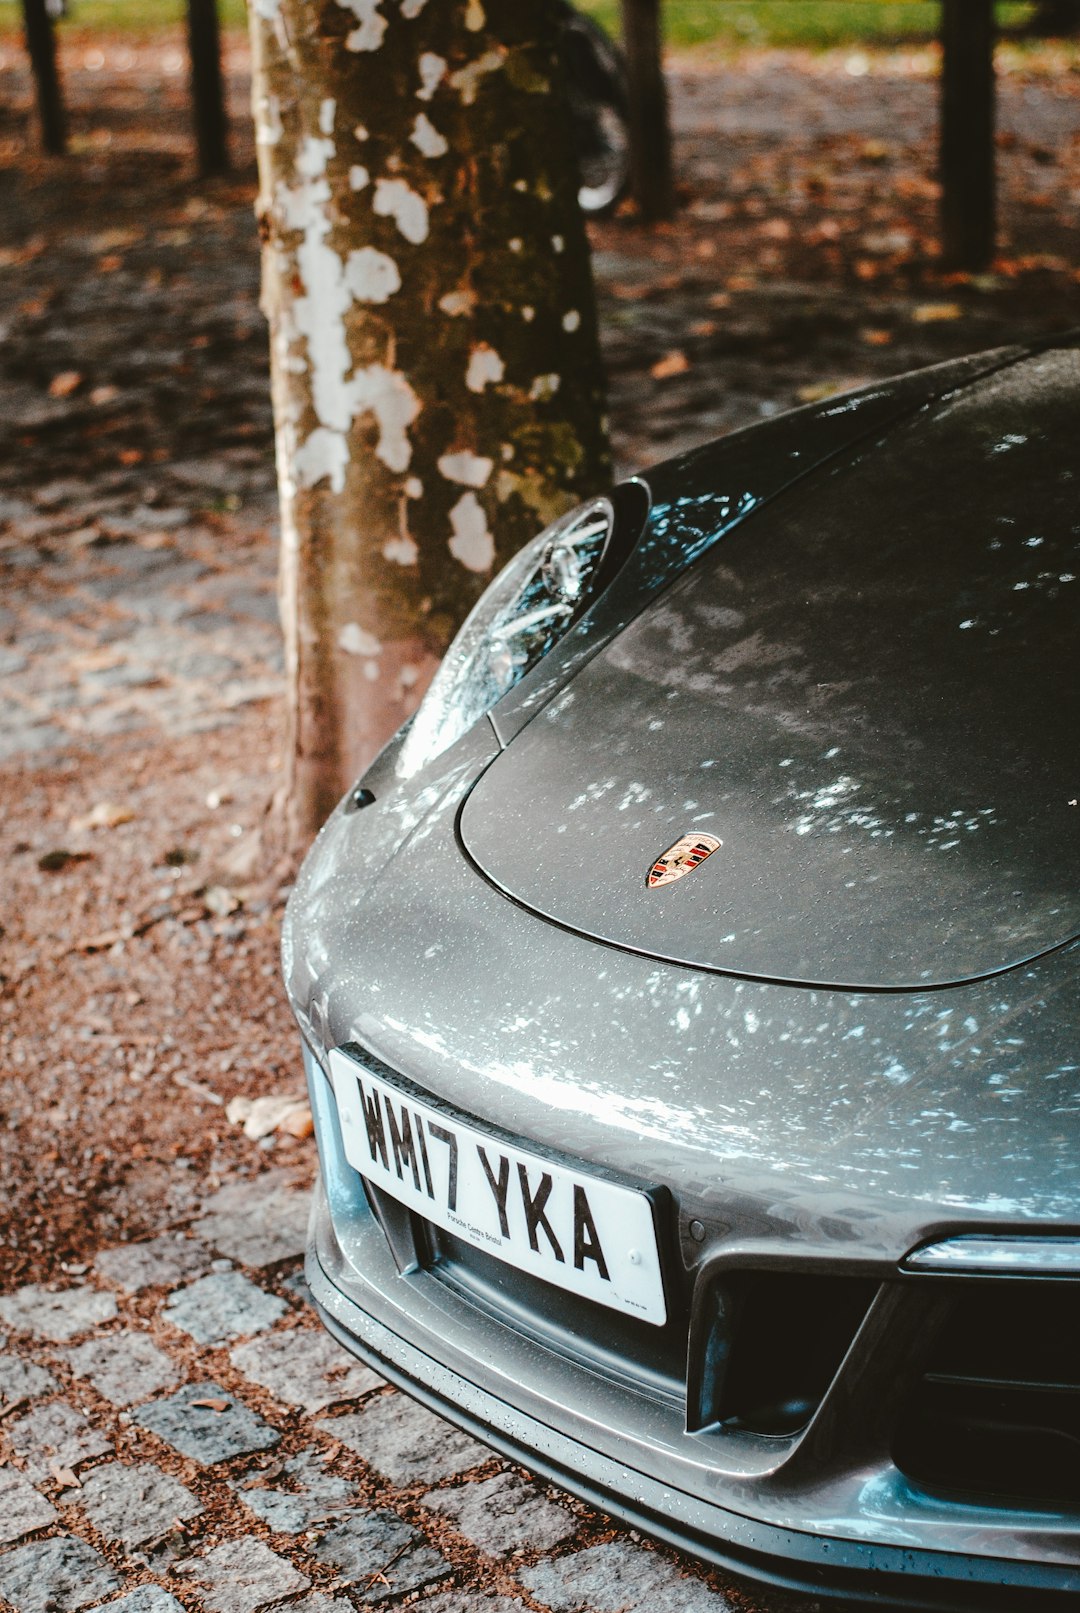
526, 610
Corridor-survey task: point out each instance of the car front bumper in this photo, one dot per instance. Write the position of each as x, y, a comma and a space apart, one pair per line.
861, 1532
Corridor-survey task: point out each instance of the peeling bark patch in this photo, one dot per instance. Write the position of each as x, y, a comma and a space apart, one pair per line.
356, 640
268, 129
544, 387
359, 178
475, 17
467, 79
466, 468
312, 158
427, 139
371, 275
455, 303
486, 368
571, 320
402, 551
369, 35
432, 68
392, 401
327, 113
324, 453
412, 8
397, 200
472, 542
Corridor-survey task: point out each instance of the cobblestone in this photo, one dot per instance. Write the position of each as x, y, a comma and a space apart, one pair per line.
257, 1223
242, 1576
163, 1260
55, 1433
304, 1368
123, 1367
57, 1316
315, 1496
22, 1508
135, 1504
201, 1432
381, 1555
619, 1577
224, 1305
504, 1514
55, 1576
22, 1380
405, 1442
146, 1599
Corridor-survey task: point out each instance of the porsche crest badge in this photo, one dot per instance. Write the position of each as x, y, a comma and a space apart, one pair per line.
682, 858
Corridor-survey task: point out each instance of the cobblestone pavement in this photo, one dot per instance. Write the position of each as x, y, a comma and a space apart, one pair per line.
127, 605
176, 1431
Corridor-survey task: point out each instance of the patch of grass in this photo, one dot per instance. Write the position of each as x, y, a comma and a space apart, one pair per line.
813, 23
136, 17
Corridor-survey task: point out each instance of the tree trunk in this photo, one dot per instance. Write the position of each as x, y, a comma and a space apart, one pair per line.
435, 368
651, 178
207, 87
967, 133
41, 48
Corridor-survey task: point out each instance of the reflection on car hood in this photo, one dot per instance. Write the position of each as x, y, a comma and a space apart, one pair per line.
866, 692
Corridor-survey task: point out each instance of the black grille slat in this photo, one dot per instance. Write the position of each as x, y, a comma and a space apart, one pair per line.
996, 1416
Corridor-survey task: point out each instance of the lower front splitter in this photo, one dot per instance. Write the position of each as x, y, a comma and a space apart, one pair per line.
890, 1576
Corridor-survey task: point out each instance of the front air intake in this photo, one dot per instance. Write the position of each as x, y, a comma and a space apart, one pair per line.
995, 1419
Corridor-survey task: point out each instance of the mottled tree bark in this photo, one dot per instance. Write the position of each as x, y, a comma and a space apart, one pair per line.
967, 133
652, 178
436, 376
207, 87
41, 48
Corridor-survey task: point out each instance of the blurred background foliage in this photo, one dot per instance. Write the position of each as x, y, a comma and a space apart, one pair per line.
725, 24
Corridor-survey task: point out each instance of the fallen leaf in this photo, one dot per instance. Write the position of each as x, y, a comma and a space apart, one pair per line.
97, 660
177, 856
875, 337
64, 1477
218, 900
261, 1116
673, 363
104, 394
933, 313
51, 862
300, 1123
64, 384
102, 941
105, 815
211, 1403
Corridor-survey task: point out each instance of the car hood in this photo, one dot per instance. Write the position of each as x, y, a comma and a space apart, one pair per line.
865, 691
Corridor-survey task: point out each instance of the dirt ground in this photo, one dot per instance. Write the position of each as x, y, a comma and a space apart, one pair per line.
137, 642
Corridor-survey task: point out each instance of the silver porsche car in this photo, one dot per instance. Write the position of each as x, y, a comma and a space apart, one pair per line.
689, 1002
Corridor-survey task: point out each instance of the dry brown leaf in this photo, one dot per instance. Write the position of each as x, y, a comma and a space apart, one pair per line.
64, 1477
298, 1124
218, 900
105, 815
211, 1403
673, 363
97, 660
933, 313
53, 862
64, 384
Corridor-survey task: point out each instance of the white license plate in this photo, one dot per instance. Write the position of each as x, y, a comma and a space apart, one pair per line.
585, 1234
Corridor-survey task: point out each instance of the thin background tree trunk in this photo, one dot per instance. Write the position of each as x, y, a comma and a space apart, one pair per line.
651, 177
967, 133
435, 368
41, 48
207, 87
